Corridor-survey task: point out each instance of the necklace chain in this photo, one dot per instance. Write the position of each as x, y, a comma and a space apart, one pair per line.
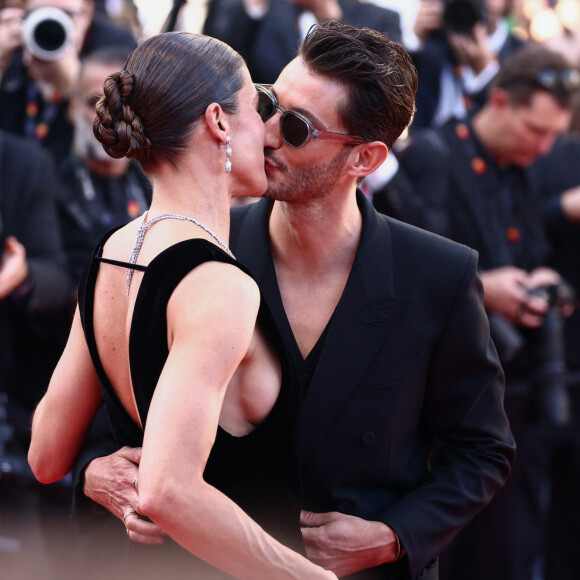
144, 226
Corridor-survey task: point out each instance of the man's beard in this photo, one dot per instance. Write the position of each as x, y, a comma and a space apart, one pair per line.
307, 183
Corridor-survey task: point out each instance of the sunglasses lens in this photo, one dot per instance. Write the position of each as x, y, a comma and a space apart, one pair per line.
571, 79
294, 129
266, 108
568, 79
548, 78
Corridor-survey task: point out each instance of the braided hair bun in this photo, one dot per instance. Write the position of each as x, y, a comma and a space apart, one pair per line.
117, 126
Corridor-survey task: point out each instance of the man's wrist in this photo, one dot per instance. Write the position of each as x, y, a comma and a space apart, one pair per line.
393, 549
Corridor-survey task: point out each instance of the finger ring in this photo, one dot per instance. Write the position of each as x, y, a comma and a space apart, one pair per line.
136, 481
127, 514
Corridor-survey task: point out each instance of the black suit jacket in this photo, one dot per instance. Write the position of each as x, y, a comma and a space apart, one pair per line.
407, 367
270, 43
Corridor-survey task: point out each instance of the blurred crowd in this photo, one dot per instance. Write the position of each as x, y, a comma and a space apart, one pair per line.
495, 168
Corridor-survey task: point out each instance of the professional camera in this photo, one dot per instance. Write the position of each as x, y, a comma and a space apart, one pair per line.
460, 16
551, 386
547, 352
559, 295
48, 33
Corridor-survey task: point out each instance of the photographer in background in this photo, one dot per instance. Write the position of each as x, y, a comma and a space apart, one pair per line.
40, 55
477, 171
462, 45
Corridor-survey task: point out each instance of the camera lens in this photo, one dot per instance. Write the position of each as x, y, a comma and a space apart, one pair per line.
48, 32
49, 35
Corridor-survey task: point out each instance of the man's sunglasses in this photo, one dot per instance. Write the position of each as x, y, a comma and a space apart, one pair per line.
296, 129
568, 79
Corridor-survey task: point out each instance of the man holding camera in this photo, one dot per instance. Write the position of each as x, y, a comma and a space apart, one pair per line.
462, 43
41, 43
477, 171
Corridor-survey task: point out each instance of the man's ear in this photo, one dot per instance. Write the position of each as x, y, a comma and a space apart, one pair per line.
217, 125
498, 98
366, 158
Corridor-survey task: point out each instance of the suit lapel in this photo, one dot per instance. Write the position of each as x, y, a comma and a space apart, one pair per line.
367, 312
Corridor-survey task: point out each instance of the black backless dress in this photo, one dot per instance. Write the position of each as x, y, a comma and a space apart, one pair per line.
257, 471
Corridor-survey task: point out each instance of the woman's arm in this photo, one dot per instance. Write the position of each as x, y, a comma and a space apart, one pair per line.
64, 415
209, 337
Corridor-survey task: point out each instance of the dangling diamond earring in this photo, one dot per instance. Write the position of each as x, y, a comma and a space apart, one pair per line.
228, 149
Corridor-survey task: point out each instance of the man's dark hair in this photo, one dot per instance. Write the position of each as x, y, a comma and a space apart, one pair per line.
378, 73
534, 68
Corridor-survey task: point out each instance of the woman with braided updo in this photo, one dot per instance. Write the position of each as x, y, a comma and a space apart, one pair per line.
166, 333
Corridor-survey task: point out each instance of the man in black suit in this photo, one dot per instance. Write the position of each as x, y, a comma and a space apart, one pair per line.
403, 436
459, 53
477, 172
267, 33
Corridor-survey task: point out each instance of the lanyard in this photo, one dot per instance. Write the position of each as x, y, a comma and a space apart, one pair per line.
39, 114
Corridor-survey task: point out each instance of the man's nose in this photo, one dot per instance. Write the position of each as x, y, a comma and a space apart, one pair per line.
273, 136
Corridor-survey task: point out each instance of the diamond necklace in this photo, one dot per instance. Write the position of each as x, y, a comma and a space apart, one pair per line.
144, 226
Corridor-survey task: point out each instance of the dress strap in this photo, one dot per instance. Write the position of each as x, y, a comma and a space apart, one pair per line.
138, 267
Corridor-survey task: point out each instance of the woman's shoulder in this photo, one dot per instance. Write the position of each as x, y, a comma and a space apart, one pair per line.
197, 267
210, 268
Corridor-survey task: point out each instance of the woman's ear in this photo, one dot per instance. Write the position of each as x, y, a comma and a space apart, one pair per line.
367, 158
217, 124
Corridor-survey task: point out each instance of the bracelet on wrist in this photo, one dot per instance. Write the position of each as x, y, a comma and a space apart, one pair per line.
400, 551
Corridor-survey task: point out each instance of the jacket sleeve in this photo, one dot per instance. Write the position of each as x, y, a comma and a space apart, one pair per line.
86, 514
473, 448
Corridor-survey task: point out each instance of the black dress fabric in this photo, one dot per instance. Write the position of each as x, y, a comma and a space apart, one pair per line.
257, 471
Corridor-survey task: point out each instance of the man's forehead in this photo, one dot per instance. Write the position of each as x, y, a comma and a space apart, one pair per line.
544, 113
299, 84
93, 74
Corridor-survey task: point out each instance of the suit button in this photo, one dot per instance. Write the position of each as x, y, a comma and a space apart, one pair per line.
369, 439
